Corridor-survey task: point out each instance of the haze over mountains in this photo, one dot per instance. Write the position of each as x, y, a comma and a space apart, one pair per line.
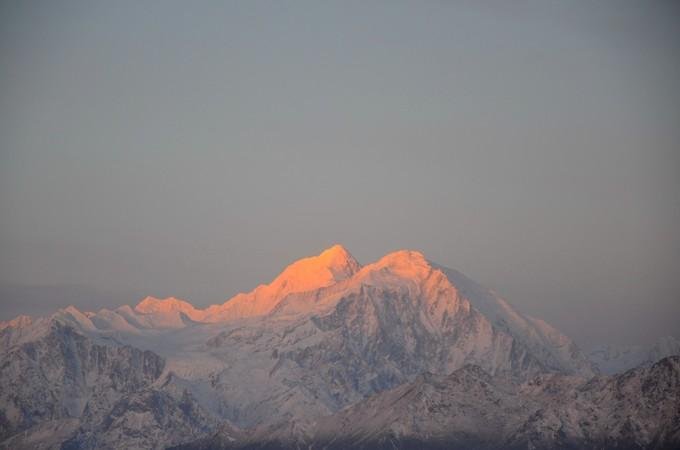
327, 334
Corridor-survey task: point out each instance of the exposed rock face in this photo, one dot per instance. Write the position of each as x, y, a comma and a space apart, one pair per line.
473, 409
147, 419
62, 387
319, 351
325, 335
63, 373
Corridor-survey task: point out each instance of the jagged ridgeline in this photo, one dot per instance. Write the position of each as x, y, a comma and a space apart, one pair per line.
400, 353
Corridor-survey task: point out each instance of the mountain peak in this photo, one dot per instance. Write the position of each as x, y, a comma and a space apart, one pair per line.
18, 322
156, 305
335, 251
403, 268
330, 266
337, 259
405, 263
405, 257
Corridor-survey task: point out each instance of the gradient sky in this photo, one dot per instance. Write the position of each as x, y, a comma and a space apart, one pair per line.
169, 148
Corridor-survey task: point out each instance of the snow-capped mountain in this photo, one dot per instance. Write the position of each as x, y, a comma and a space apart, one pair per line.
327, 333
612, 359
62, 388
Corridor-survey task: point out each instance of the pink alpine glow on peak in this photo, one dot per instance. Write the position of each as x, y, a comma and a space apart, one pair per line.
170, 307
334, 266
18, 322
406, 263
331, 266
152, 305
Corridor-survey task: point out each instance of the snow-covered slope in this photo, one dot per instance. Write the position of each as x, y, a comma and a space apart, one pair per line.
555, 348
471, 408
63, 388
318, 351
610, 359
333, 265
428, 299
323, 335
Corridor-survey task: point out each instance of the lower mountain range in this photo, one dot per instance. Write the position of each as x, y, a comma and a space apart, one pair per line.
400, 353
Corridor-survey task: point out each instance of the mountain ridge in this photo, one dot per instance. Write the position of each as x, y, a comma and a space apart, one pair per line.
292, 351
471, 408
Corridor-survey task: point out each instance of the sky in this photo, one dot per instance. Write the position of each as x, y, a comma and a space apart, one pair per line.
194, 149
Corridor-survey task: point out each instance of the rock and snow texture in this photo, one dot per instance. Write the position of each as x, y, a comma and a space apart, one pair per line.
62, 389
68, 384
472, 409
325, 334
310, 274
611, 360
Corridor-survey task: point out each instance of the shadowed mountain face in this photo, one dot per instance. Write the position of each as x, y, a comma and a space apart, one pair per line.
611, 359
265, 366
471, 409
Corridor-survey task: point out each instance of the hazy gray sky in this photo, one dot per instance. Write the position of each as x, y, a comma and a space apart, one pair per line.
175, 148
